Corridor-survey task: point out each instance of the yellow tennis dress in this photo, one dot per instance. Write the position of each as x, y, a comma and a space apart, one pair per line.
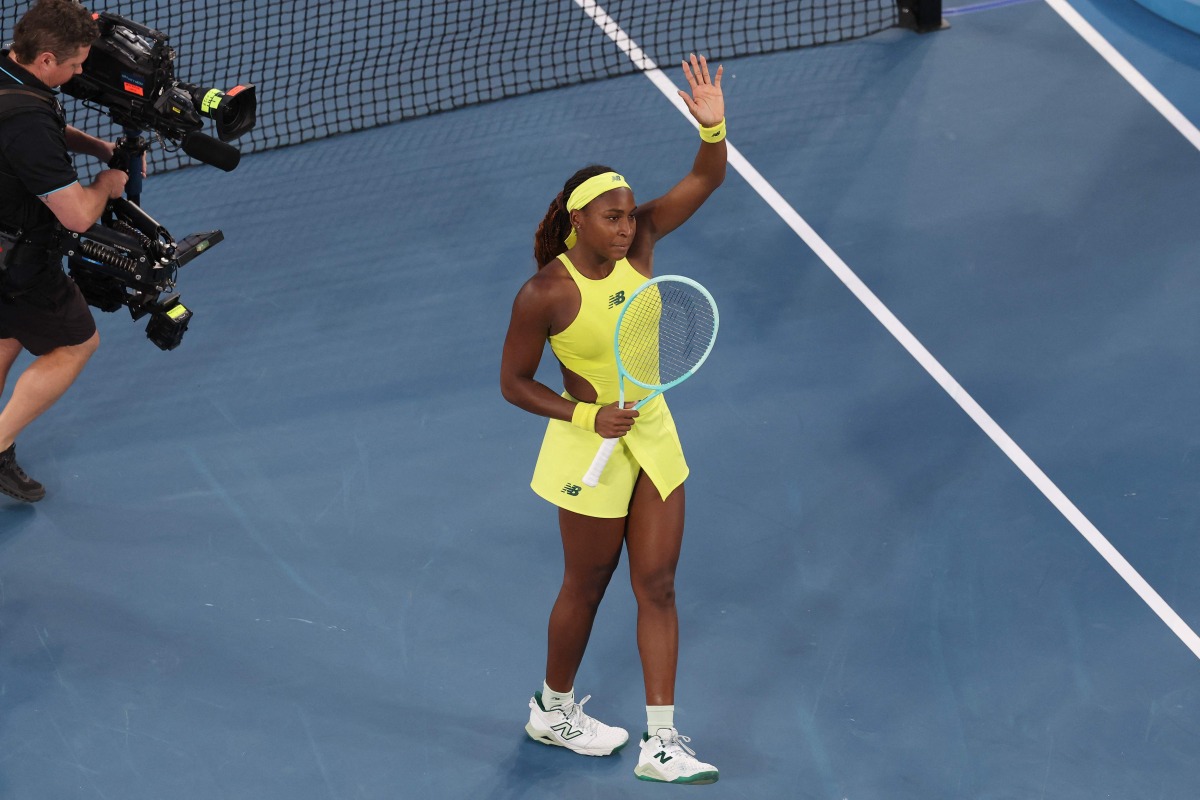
652, 444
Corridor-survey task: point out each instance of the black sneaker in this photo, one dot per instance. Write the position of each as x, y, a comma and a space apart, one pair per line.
13, 480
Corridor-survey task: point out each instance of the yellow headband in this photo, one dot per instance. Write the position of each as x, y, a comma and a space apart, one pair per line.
588, 191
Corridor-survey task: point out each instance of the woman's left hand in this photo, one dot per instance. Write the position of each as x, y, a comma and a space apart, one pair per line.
706, 102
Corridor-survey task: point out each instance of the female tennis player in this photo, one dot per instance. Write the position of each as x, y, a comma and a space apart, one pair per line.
594, 248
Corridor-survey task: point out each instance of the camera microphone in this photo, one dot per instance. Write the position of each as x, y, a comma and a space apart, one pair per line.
212, 151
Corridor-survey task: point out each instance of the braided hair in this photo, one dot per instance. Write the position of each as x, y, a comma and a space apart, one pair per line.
549, 240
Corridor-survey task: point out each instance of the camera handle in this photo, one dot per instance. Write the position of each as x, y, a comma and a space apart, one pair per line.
130, 149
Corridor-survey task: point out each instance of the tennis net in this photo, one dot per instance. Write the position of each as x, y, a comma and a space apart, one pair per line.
323, 68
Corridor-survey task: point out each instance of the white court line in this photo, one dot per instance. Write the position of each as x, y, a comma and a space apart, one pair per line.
908, 341
1127, 71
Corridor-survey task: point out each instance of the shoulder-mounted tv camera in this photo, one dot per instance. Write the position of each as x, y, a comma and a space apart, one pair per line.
130, 73
127, 258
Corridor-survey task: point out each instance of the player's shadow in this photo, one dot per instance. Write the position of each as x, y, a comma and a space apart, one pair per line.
536, 770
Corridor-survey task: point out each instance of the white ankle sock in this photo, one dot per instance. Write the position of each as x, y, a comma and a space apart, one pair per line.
551, 698
659, 717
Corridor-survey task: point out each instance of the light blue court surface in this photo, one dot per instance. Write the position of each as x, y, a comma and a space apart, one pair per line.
298, 558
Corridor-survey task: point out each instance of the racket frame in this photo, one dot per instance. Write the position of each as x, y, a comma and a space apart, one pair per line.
592, 476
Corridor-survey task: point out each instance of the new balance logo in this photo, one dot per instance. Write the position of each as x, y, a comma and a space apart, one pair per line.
566, 731
616, 300
661, 755
572, 489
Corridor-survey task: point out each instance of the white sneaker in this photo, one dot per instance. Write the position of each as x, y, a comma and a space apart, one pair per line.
666, 757
569, 727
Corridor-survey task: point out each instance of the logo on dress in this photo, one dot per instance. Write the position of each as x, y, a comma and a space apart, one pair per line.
617, 299
572, 489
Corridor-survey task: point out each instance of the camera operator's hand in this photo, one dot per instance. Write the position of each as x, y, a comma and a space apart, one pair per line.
112, 181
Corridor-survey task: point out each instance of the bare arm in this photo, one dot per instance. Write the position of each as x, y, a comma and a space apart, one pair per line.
707, 103
528, 329
78, 207
523, 345
80, 142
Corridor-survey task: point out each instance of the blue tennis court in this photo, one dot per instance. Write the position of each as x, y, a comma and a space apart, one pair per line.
298, 557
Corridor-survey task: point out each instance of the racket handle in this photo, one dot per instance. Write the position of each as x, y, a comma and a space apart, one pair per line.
597, 469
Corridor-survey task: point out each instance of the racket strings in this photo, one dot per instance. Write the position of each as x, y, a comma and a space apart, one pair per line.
665, 332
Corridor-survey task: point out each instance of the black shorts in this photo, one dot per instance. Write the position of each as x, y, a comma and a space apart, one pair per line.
46, 312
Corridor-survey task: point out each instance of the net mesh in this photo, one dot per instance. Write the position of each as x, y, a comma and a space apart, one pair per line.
665, 332
323, 68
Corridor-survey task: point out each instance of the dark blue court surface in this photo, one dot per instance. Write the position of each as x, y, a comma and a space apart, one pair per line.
298, 557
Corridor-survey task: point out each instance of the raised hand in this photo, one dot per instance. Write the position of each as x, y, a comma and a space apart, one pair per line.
706, 102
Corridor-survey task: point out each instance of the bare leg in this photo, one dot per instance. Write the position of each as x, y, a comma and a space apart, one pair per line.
9, 350
591, 551
654, 537
41, 384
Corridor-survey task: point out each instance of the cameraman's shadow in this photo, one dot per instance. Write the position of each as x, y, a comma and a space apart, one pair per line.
15, 517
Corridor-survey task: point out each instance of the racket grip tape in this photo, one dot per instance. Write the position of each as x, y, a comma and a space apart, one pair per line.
598, 463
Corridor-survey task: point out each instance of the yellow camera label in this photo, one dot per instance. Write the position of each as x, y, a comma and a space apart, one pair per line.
211, 100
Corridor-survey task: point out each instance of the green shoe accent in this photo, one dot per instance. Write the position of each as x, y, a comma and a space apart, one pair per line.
695, 780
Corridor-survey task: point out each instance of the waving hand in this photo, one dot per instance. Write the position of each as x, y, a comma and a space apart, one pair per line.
706, 101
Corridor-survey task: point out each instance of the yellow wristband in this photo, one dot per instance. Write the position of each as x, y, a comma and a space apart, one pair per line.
584, 416
714, 134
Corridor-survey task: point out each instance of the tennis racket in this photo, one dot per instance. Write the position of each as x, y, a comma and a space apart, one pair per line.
665, 331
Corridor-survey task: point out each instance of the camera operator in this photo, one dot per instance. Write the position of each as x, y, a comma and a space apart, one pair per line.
41, 309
